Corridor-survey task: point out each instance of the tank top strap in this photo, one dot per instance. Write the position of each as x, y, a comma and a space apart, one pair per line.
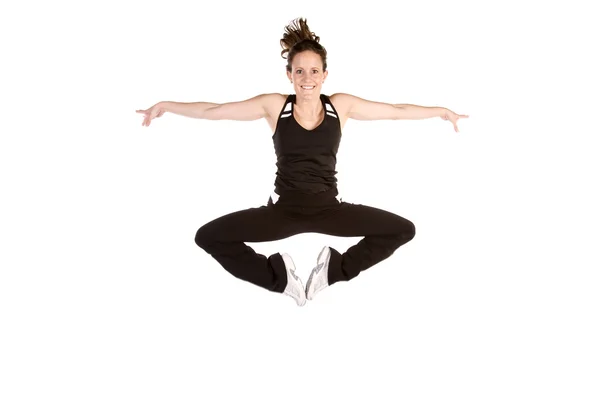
329, 108
286, 110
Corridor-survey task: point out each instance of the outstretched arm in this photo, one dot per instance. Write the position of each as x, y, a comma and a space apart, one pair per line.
246, 110
367, 110
412, 111
192, 110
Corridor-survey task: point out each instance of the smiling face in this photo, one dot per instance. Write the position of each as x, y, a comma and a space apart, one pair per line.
307, 71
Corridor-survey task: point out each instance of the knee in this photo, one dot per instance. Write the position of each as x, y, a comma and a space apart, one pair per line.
202, 239
407, 232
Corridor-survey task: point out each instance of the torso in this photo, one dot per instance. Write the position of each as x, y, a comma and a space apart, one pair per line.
278, 101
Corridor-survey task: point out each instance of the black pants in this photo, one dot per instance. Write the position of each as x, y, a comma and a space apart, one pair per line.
224, 237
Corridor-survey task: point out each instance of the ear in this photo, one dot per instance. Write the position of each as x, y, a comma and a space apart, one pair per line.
289, 75
325, 75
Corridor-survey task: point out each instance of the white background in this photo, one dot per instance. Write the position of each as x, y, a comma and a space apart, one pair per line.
105, 295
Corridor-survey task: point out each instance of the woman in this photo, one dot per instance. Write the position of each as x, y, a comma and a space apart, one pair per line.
306, 130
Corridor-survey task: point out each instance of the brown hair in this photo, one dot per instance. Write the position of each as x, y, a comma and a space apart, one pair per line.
299, 38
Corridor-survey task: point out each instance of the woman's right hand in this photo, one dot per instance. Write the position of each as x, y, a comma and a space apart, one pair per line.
156, 111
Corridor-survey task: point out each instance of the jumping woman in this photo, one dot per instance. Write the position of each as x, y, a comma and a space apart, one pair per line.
307, 129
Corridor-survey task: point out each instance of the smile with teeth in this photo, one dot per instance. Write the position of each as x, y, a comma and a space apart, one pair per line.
307, 87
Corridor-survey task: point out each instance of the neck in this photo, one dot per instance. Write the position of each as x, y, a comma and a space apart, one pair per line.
309, 107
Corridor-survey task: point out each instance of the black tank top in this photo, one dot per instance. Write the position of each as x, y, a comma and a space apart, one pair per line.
306, 160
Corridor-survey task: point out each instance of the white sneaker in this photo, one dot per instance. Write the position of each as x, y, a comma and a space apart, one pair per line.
294, 287
317, 280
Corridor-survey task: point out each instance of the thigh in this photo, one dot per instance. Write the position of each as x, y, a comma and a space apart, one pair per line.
257, 224
360, 220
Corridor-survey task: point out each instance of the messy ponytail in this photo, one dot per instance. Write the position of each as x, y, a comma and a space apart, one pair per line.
298, 38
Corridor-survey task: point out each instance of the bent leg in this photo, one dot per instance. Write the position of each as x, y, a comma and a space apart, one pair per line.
383, 232
223, 238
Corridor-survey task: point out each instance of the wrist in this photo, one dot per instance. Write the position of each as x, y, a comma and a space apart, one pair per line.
163, 105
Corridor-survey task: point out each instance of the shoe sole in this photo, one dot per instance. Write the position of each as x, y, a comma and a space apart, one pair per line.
321, 260
292, 270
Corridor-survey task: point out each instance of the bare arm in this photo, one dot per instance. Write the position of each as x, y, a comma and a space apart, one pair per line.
246, 110
366, 110
361, 109
192, 110
411, 111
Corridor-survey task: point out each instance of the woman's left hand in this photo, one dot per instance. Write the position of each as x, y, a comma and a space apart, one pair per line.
451, 116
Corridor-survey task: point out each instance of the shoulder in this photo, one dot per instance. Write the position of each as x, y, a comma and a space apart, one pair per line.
342, 102
273, 98
341, 98
274, 102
